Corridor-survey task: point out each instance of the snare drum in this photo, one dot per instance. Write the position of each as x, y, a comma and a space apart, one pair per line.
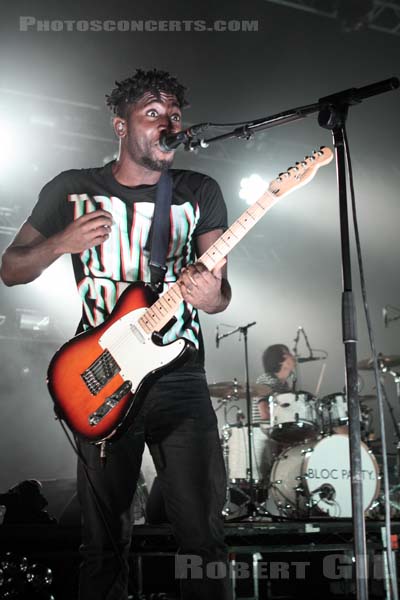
294, 417
315, 477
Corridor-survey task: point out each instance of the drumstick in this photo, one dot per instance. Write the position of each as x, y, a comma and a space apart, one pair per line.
321, 376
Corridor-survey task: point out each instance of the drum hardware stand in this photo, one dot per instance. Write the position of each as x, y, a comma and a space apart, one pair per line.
225, 437
396, 379
396, 425
254, 508
387, 554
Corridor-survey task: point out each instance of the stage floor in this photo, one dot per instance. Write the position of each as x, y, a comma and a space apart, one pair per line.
268, 559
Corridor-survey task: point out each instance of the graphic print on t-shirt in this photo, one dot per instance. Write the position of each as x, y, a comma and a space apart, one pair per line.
102, 273
122, 258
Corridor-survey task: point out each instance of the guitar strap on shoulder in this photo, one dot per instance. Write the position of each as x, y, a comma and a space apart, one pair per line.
158, 239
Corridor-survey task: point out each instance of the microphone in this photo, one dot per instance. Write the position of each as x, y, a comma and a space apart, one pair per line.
217, 337
385, 316
171, 141
310, 358
325, 491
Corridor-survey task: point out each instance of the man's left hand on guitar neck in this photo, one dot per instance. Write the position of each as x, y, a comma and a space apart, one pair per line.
204, 289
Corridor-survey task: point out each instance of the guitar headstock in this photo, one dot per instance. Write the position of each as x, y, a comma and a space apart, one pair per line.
301, 173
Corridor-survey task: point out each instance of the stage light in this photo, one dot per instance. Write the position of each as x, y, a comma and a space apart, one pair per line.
32, 321
251, 188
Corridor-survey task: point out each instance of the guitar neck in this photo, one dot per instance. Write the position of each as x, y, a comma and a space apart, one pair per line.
238, 230
162, 311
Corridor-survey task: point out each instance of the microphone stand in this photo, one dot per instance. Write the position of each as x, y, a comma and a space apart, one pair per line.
252, 509
296, 343
332, 115
294, 114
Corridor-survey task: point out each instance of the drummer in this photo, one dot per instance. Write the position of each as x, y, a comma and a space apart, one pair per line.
279, 365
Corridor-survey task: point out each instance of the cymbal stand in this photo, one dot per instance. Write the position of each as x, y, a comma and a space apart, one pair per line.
396, 425
396, 379
254, 509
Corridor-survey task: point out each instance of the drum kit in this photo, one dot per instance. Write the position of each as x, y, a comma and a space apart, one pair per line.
300, 453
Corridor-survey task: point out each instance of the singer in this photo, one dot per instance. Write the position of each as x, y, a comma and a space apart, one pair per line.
103, 217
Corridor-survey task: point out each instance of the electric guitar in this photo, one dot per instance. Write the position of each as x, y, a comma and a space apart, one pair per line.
99, 379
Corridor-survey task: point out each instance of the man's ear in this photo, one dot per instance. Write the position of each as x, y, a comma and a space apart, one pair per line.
119, 127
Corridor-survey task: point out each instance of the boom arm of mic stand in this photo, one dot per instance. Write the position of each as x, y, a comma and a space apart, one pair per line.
345, 97
240, 329
221, 336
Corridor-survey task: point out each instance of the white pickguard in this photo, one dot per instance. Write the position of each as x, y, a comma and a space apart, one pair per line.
134, 350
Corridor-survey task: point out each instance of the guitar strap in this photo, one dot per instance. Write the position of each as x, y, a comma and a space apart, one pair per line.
157, 242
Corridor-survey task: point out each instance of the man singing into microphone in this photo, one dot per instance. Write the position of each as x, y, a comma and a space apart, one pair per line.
103, 218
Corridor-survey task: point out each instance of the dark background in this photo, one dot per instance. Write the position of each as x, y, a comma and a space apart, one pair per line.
287, 271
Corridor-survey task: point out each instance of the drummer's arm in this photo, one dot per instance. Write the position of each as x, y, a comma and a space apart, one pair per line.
263, 409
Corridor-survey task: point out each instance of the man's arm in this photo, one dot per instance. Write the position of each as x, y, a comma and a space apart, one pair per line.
30, 252
207, 290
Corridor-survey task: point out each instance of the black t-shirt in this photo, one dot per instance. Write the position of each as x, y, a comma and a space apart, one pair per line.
104, 271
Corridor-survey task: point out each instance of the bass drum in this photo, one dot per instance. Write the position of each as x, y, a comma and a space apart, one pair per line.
314, 478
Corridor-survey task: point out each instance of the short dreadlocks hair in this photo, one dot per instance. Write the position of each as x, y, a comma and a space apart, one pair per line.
130, 90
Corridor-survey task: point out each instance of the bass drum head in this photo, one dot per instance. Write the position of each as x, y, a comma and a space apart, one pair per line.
314, 478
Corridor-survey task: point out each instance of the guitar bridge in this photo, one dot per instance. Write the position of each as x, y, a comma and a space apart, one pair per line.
110, 403
99, 373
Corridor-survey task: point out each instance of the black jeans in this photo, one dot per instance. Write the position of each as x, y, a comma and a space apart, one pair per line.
178, 423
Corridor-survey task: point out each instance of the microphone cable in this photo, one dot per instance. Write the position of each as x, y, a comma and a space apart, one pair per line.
390, 555
97, 500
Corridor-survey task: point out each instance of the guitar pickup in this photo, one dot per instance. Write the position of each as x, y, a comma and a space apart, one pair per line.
100, 372
110, 403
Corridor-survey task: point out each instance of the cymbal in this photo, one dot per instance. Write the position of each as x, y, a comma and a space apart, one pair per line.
260, 389
226, 389
390, 361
